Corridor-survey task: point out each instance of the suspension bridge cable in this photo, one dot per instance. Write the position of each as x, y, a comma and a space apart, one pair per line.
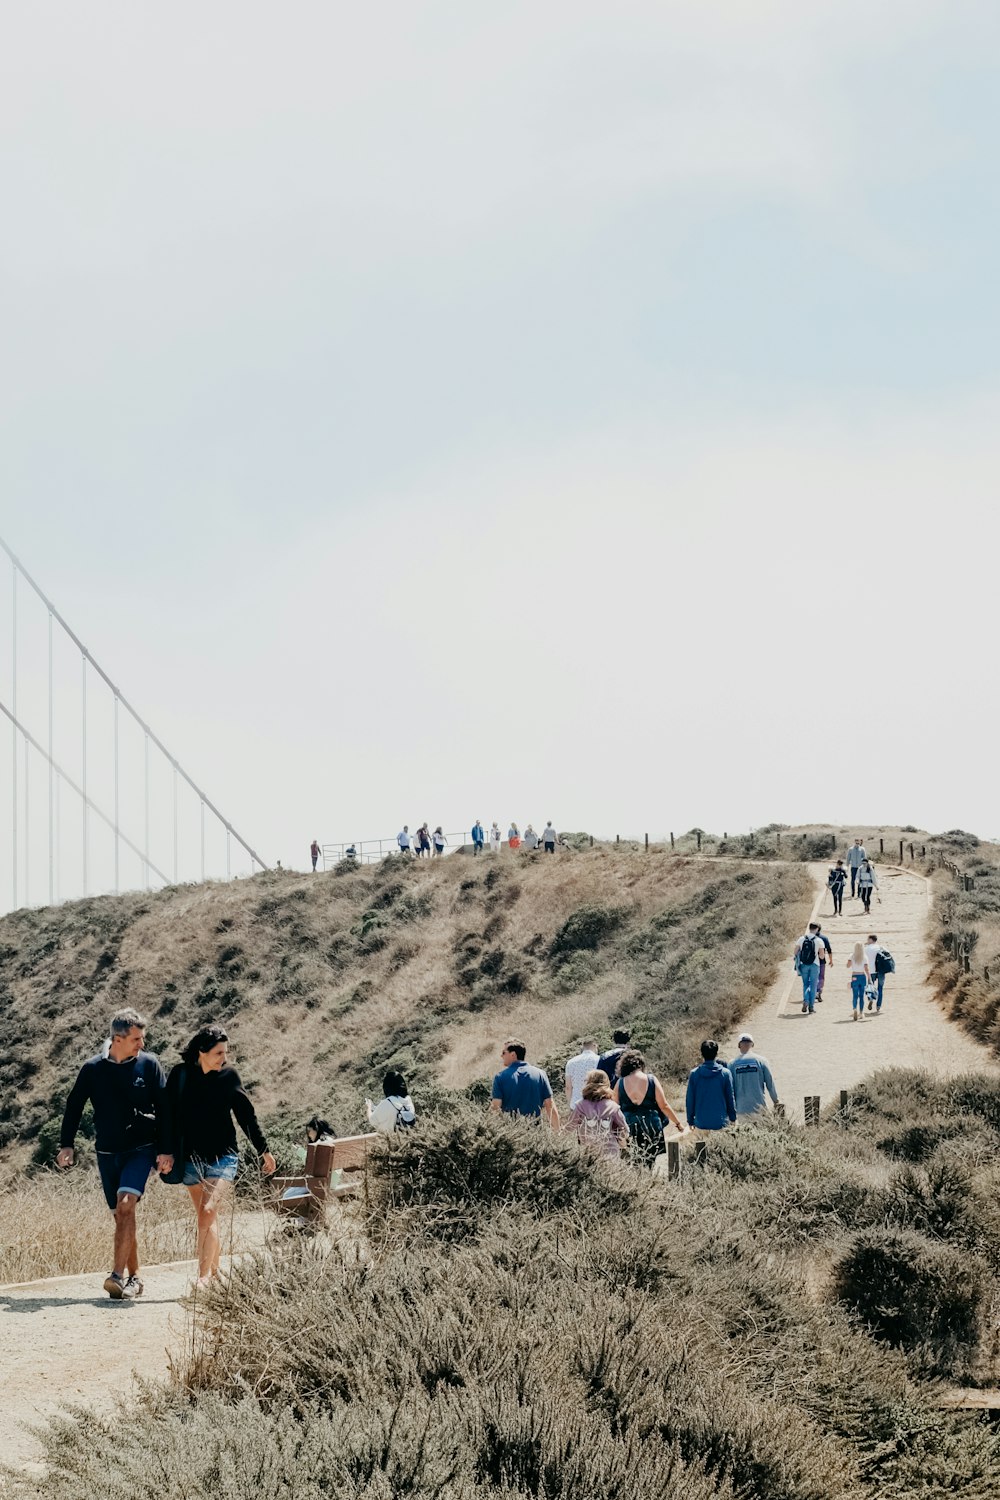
230, 830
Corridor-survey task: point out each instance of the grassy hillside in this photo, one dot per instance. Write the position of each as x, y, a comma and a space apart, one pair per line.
324, 980
965, 959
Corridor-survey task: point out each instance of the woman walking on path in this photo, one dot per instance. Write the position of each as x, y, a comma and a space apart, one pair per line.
203, 1094
867, 880
644, 1106
836, 880
598, 1121
860, 980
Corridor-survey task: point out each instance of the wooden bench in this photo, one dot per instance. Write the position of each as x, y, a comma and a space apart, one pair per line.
305, 1196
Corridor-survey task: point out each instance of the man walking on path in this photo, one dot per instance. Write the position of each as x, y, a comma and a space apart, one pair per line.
880, 963
478, 837
710, 1103
856, 857
825, 955
549, 838
577, 1068
807, 963
403, 840
125, 1086
836, 880
521, 1089
608, 1061
314, 853
751, 1077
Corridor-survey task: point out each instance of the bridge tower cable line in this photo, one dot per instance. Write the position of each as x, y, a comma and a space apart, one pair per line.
20, 736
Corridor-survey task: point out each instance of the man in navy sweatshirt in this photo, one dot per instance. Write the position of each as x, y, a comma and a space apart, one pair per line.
711, 1103
125, 1086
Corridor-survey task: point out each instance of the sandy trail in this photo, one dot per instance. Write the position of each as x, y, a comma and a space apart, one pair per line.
829, 1051
62, 1339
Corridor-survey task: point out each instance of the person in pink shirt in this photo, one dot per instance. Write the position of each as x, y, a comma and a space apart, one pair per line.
598, 1121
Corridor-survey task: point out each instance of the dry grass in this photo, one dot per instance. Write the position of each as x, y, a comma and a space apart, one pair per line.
61, 1226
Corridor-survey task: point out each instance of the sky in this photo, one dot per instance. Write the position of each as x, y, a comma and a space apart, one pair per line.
573, 412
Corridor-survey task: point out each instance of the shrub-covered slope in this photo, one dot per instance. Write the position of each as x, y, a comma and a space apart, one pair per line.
324, 980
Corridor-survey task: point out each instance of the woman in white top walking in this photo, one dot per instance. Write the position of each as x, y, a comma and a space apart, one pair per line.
867, 881
860, 980
495, 839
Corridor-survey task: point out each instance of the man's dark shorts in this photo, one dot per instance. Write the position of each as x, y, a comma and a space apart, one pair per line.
125, 1172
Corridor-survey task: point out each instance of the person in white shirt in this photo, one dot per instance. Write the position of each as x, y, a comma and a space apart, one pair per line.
549, 837
395, 1111
530, 838
577, 1069
495, 838
403, 840
439, 840
860, 980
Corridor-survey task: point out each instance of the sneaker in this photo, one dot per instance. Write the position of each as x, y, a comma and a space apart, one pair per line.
133, 1287
855, 1015
804, 1008
869, 1004
114, 1285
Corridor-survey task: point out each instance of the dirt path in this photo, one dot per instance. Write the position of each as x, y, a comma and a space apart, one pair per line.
829, 1051
63, 1340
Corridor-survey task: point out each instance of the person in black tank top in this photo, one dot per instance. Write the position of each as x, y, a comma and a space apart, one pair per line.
647, 1114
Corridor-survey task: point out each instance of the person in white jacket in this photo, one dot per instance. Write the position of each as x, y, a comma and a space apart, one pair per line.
395, 1111
867, 882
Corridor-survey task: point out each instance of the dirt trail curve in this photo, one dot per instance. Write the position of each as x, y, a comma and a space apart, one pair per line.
62, 1340
829, 1051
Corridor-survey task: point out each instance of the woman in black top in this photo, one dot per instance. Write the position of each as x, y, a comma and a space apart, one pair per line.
203, 1094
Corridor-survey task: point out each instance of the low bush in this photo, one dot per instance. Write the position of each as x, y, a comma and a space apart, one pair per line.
915, 1294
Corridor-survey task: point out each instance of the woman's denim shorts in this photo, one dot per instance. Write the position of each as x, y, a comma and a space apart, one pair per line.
223, 1169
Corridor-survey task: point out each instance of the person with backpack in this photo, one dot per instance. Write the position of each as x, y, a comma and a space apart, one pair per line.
644, 1106
598, 1121
867, 882
880, 963
807, 966
478, 837
608, 1061
836, 880
711, 1099
125, 1086
394, 1111
860, 980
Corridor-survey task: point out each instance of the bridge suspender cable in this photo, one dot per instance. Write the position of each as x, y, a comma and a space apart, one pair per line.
119, 697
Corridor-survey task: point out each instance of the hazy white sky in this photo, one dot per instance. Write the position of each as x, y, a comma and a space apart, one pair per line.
563, 411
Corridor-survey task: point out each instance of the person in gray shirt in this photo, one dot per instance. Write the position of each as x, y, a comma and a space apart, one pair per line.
751, 1078
856, 856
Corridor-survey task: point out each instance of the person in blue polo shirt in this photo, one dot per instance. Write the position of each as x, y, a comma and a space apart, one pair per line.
522, 1089
710, 1103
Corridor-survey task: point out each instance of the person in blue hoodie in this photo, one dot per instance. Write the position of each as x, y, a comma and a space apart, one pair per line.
711, 1103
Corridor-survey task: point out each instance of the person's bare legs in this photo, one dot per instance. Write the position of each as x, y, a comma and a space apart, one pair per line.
126, 1245
206, 1198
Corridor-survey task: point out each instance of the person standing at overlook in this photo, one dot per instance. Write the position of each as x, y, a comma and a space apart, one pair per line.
478, 837
314, 853
856, 857
403, 840
549, 837
495, 837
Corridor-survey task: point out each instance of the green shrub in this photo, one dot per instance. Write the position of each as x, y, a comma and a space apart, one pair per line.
587, 928
915, 1294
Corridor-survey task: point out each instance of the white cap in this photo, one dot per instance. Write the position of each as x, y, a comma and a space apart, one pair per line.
744, 1037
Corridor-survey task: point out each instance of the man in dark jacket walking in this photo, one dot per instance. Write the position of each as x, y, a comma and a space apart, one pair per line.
125, 1086
711, 1103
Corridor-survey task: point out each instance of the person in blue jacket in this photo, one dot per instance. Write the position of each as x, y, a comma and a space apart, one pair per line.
478, 837
711, 1103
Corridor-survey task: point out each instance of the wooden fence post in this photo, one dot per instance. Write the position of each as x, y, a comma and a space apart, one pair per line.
881, 846
911, 854
673, 1160
699, 838
700, 1153
843, 1098
812, 1109
591, 841
901, 851
779, 1110
617, 837
671, 841
777, 841
647, 843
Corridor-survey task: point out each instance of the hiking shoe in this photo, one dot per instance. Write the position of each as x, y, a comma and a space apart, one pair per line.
114, 1285
133, 1287
855, 1015
804, 1009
